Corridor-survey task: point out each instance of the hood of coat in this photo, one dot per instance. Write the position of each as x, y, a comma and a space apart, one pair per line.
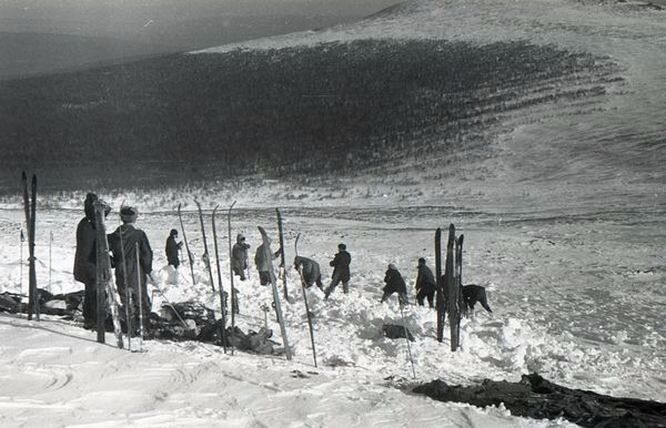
126, 230
89, 207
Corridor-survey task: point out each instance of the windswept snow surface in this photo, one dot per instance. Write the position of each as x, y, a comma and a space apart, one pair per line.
558, 288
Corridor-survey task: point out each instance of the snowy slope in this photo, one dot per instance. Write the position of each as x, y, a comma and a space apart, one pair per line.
581, 330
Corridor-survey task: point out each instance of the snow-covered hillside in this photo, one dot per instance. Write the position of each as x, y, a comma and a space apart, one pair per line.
557, 286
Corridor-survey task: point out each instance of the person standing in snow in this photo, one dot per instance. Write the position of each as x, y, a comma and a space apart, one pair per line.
425, 284
341, 273
394, 284
85, 259
311, 271
127, 268
172, 248
239, 256
264, 266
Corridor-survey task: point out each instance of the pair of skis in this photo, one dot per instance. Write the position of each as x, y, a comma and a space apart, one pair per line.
220, 287
208, 266
449, 286
305, 299
268, 254
104, 281
30, 207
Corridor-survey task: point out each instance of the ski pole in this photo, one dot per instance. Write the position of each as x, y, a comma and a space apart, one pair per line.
139, 286
232, 294
128, 295
21, 263
409, 348
50, 263
223, 313
187, 247
157, 287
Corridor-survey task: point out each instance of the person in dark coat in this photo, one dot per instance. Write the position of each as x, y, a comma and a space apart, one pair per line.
311, 271
239, 256
127, 268
264, 265
341, 273
85, 259
394, 284
425, 284
172, 248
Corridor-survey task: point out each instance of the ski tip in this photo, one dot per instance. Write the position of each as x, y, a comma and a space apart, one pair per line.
232, 204
24, 176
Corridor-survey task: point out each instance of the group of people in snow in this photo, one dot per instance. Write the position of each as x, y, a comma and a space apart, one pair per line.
132, 258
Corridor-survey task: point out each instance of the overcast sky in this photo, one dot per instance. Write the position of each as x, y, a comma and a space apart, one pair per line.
129, 19
44, 36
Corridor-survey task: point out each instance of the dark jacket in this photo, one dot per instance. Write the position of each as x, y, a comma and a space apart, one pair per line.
171, 250
130, 237
85, 258
239, 255
394, 283
425, 280
340, 265
310, 269
260, 261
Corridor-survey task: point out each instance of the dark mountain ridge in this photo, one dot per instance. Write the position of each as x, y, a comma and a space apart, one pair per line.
331, 107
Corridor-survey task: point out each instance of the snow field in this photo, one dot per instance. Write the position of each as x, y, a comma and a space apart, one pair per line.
54, 372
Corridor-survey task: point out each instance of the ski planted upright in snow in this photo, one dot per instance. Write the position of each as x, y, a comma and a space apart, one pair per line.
206, 253
128, 294
452, 291
283, 266
305, 299
104, 279
220, 288
187, 247
30, 207
276, 295
232, 293
440, 303
458, 273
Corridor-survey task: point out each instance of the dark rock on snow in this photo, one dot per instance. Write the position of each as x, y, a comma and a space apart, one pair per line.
535, 397
393, 331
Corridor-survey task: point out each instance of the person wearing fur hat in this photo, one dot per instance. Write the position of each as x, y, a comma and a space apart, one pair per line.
311, 271
341, 273
394, 284
172, 248
129, 236
85, 259
425, 284
239, 256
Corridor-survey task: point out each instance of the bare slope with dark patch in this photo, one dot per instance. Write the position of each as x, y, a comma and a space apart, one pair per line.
306, 109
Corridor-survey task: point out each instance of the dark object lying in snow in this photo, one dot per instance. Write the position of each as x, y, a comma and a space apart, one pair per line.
538, 398
193, 321
49, 304
393, 331
204, 328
